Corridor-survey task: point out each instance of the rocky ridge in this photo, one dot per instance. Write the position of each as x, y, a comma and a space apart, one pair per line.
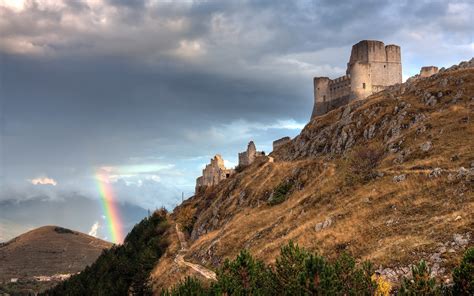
417, 204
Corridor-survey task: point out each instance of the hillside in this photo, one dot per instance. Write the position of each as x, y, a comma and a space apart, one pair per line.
48, 250
388, 178
123, 269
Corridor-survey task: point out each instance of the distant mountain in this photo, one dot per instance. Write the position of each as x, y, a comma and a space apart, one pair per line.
47, 251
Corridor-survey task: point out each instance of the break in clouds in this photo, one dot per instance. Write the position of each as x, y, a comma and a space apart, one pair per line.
149, 91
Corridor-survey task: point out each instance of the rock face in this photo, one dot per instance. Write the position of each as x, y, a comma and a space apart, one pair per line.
364, 120
247, 157
213, 173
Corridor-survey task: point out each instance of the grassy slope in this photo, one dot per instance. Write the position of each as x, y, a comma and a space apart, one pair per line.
392, 223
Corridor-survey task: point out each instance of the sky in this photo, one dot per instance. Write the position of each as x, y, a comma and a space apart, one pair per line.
146, 92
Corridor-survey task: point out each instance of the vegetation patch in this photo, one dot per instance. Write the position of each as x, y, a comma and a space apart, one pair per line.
186, 218
64, 230
123, 269
280, 193
299, 272
362, 163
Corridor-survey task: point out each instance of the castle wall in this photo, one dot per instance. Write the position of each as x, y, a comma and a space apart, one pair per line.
280, 142
428, 71
247, 157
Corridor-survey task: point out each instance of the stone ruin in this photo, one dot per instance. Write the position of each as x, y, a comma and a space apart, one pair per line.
247, 157
216, 171
213, 173
280, 142
428, 71
372, 67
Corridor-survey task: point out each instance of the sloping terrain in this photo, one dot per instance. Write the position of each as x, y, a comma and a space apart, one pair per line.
47, 251
389, 179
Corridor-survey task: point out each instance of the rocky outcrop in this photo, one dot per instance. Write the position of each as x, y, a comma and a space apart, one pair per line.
387, 115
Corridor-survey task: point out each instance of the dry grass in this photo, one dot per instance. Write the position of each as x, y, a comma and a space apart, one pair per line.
393, 224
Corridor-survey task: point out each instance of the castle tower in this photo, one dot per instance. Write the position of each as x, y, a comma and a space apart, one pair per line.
321, 95
248, 156
371, 68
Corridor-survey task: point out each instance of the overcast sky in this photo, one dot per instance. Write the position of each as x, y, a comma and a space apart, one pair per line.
148, 91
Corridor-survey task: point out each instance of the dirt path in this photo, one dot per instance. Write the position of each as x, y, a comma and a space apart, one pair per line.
179, 259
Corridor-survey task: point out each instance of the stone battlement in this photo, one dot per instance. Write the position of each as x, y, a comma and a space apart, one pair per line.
372, 67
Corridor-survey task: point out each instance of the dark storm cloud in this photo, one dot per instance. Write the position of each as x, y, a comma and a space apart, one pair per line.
151, 90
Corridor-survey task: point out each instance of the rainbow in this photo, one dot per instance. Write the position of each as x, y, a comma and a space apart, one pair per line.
109, 208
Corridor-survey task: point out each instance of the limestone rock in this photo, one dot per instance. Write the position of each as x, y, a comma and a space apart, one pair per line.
426, 146
399, 178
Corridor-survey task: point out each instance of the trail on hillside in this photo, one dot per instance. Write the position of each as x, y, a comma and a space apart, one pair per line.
179, 259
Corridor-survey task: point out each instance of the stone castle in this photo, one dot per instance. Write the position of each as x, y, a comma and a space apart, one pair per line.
372, 67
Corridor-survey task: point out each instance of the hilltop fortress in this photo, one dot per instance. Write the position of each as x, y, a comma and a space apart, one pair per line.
371, 68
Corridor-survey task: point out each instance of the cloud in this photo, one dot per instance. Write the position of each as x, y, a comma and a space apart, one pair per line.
150, 90
94, 228
43, 181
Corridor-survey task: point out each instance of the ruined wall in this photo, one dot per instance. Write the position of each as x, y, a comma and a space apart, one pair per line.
280, 142
427, 71
248, 157
213, 173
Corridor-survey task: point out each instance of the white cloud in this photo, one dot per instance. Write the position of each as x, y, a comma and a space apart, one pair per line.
43, 181
94, 228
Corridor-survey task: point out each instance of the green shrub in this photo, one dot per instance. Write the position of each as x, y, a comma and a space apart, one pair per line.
421, 282
186, 218
290, 276
189, 287
297, 272
463, 275
243, 276
280, 193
